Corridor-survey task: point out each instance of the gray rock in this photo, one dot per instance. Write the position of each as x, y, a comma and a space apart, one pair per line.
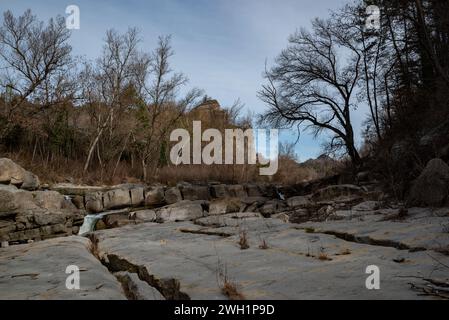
45, 218
192, 192
77, 190
173, 195
7, 199
431, 188
299, 201
116, 199
295, 264
143, 215
332, 192
181, 211
50, 200
155, 196
94, 202
219, 191
419, 229
272, 207
239, 219
223, 206
367, 206
137, 196
237, 191
10, 172
30, 181
38, 271
253, 190
78, 201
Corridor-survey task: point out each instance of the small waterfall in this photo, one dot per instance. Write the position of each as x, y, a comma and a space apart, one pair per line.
89, 223
279, 194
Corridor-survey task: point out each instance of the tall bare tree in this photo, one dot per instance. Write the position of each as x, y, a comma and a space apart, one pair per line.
162, 105
313, 83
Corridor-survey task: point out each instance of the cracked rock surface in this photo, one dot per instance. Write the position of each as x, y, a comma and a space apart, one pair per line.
191, 259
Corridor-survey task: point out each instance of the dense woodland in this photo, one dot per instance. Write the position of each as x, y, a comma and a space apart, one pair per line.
109, 119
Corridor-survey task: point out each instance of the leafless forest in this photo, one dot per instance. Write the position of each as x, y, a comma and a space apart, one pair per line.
108, 120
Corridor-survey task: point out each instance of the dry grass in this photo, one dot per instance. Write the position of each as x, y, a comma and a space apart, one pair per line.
324, 257
228, 287
230, 290
61, 169
243, 241
264, 245
344, 252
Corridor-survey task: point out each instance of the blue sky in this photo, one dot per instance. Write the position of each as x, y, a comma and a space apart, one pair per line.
221, 45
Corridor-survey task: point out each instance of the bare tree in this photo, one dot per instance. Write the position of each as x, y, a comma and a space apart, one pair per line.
35, 57
162, 107
118, 69
313, 84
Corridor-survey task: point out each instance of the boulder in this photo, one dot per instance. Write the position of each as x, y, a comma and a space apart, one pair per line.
100, 225
143, 216
137, 196
272, 207
336, 191
50, 200
13, 200
173, 195
253, 190
431, 188
219, 191
47, 218
281, 216
299, 201
181, 211
78, 201
223, 206
367, 206
116, 199
7, 199
237, 191
11, 172
30, 181
94, 202
155, 196
191, 192
299, 216
116, 220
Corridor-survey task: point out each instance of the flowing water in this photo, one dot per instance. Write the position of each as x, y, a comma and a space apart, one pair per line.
89, 223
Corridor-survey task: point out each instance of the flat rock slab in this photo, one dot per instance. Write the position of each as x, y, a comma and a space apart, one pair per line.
188, 260
37, 271
420, 229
